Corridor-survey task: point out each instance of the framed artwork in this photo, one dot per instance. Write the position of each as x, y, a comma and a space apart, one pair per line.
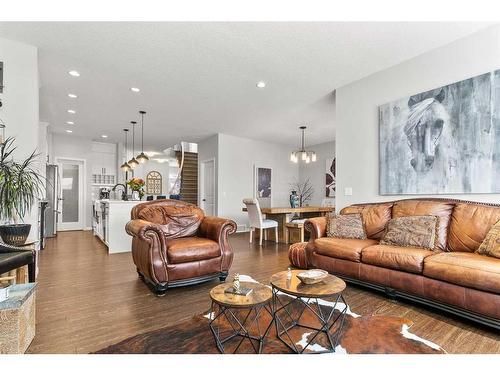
330, 178
442, 141
154, 183
263, 185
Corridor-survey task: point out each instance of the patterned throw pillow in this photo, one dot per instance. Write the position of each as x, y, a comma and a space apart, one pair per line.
345, 226
411, 231
491, 243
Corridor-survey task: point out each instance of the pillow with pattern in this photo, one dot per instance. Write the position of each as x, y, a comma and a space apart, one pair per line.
411, 231
345, 226
491, 243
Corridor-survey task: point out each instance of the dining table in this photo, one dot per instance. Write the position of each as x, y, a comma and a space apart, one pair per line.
284, 215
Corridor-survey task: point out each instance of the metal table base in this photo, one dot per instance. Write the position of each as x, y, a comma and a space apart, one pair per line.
240, 328
326, 320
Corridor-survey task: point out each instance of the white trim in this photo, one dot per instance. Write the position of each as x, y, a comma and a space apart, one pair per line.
83, 212
201, 190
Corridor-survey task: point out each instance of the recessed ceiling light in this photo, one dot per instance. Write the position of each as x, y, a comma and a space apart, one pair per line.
104, 136
72, 111
70, 123
74, 73
69, 131
73, 96
135, 89
261, 84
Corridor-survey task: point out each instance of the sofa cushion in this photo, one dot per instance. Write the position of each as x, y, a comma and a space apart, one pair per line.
469, 225
411, 231
343, 248
407, 259
375, 217
466, 269
190, 249
345, 226
441, 209
491, 244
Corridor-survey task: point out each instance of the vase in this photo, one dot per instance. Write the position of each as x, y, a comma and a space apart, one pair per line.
135, 196
294, 199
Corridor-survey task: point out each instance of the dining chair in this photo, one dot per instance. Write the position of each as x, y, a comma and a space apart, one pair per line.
257, 221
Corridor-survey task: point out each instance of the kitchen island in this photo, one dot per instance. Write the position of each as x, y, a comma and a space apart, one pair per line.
109, 220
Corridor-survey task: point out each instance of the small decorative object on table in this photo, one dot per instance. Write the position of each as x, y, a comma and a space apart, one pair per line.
137, 186
237, 289
312, 276
294, 199
289, 273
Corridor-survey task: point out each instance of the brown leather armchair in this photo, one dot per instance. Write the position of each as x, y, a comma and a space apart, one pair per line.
175, 244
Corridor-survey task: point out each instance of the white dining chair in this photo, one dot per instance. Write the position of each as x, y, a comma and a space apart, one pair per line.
257, 221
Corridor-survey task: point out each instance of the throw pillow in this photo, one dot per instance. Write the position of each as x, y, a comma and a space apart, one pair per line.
411, 231
346, 226
491, 243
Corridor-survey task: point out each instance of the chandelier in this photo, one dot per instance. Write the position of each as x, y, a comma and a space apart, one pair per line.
303, 154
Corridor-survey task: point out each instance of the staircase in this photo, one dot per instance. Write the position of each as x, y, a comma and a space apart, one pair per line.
189, 177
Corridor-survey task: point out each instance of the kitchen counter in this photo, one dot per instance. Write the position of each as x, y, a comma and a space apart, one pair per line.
109, 223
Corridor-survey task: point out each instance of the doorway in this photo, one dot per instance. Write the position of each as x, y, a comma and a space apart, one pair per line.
71, 194
207, 186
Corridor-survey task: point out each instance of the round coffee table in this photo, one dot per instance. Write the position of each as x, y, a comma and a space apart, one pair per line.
329, 289
227, 306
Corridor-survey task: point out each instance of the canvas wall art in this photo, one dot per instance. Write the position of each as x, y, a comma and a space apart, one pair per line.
330, 178
442, 141
263, 186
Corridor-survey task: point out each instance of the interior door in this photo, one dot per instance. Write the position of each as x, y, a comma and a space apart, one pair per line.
208, 187
71, 195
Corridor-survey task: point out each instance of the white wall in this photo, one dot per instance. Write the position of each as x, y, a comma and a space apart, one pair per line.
20, 103
236, 159
315, 172
357, 108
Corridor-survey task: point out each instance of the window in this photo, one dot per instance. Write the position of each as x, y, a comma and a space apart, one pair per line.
153, 183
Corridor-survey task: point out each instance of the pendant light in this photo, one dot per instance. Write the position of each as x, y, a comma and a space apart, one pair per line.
133, 162
305, 156
142, 157
125, 166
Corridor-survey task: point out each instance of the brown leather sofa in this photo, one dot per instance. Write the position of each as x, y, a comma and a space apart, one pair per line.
453, 278
175, 244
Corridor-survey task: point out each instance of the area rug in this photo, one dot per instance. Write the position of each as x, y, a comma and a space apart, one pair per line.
358, 335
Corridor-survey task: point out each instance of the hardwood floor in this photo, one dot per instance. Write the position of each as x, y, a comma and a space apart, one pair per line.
87, 299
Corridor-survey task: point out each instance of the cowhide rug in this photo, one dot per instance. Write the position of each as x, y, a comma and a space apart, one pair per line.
359, 335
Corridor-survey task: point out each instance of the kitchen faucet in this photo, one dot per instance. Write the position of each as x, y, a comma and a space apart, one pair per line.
124, 192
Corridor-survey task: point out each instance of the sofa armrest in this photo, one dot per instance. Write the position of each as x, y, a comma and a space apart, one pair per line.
149, 249
317, 228
218, 229
138, 228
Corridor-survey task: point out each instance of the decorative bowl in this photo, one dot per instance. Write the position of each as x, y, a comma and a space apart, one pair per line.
312, 276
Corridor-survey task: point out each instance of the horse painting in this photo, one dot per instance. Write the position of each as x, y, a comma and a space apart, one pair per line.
440, 141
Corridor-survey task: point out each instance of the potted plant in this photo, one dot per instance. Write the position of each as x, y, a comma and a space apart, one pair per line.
137, 186
20, 186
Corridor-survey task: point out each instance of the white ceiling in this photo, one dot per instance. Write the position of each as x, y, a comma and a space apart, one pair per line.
197, 79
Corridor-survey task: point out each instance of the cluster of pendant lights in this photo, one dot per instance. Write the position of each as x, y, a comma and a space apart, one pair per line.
142, 157
303, 154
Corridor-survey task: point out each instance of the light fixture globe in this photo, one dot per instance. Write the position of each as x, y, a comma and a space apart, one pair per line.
125, 167
302, 153
142, 158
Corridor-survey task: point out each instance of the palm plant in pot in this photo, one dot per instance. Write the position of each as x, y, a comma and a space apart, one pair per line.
20, 186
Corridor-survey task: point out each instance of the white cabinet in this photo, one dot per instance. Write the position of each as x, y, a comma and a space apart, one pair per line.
103, 159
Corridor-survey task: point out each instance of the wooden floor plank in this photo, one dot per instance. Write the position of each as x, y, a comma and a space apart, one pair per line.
87, 299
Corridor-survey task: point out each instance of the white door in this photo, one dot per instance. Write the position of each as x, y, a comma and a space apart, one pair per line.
207, 193
71, 194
